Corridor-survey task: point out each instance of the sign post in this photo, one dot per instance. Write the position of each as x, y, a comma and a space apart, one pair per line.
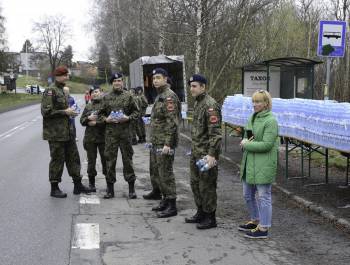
331, 43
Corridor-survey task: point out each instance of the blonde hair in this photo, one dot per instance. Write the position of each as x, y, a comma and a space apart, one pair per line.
263, 96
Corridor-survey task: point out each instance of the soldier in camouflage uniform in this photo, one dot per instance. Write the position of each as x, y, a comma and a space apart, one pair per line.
206, 143
133, 123
118, 134
63, 148
94, 138
164, 138
143, 104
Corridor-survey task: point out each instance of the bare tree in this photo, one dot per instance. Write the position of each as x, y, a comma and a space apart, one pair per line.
53, 33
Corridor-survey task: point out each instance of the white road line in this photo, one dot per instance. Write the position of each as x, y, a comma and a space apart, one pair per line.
89, 199
17, 128
86, 236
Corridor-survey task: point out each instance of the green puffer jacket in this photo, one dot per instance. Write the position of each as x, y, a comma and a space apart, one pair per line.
259, 162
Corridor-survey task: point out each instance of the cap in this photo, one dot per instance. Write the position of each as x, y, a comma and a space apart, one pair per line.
197, 78
159, 71
115, 76
60, 70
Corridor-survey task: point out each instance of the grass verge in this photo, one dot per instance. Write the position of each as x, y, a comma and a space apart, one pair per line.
9, 100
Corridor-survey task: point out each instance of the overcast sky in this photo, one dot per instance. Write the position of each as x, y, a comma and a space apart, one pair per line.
20, 15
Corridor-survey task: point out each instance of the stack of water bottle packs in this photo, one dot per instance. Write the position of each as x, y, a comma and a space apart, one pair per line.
321, 122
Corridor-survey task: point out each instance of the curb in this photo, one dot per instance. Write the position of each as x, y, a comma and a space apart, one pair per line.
302, 203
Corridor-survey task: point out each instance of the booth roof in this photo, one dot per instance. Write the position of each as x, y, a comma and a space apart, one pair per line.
281, 62
160, 59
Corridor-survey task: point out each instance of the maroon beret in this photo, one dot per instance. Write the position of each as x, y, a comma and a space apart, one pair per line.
61, 70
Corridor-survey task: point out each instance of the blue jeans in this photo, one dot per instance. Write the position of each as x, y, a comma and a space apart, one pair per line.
259, 203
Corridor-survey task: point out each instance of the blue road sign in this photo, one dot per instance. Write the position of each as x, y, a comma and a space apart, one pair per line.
331, 38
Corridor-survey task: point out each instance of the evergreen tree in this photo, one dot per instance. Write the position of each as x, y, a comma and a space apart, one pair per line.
104, 62
27, 46
67, 56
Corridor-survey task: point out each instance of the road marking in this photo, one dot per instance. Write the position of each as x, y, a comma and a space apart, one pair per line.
86, 236
17, 128
89, 199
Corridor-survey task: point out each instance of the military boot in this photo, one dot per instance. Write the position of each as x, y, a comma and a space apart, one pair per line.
92, 184
132, 193
56, 192
195, 218
209, 221
161, 207
170, 210
80, 188
110, 191
153, 195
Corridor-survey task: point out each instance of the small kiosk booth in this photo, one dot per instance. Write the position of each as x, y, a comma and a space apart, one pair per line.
288, 77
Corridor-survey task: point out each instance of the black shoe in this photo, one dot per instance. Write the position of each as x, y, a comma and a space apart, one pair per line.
161, 207
132, 193
209, 221
56, 192
80, 188
92, 184
134, 141
247, 226
170, 210
195, 218
153, 195
110, 191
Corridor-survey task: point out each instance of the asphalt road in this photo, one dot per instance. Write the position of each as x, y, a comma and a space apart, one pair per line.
35, 228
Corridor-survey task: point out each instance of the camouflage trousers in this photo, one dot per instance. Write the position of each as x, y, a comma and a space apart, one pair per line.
111, 154
140, 128
153, 173
91, 152
64, 152
137, 128
162, 174
203, 185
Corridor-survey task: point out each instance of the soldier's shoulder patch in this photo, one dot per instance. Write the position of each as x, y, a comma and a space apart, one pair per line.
210, 109
214, 119
170, 104
49, 92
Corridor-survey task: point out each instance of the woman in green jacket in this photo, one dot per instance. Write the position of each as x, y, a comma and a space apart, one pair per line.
259, 165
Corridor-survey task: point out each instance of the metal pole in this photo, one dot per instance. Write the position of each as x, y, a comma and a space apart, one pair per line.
286, 139
326, 154
328, 77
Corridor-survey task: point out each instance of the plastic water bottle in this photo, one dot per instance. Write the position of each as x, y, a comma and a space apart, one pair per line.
148, 145
170, 153
200, 163
76, 108
206, 167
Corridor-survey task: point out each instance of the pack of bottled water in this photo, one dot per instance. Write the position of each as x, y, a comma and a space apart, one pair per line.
116, 115
159, 150
321, 122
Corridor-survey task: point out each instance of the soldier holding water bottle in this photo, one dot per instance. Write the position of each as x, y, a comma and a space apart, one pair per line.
56, 130
118, 110
206, 145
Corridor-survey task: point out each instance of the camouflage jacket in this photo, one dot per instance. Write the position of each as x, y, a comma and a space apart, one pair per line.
93, 134
206, 128
142, 104
165, 118
55, 120
116, 101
